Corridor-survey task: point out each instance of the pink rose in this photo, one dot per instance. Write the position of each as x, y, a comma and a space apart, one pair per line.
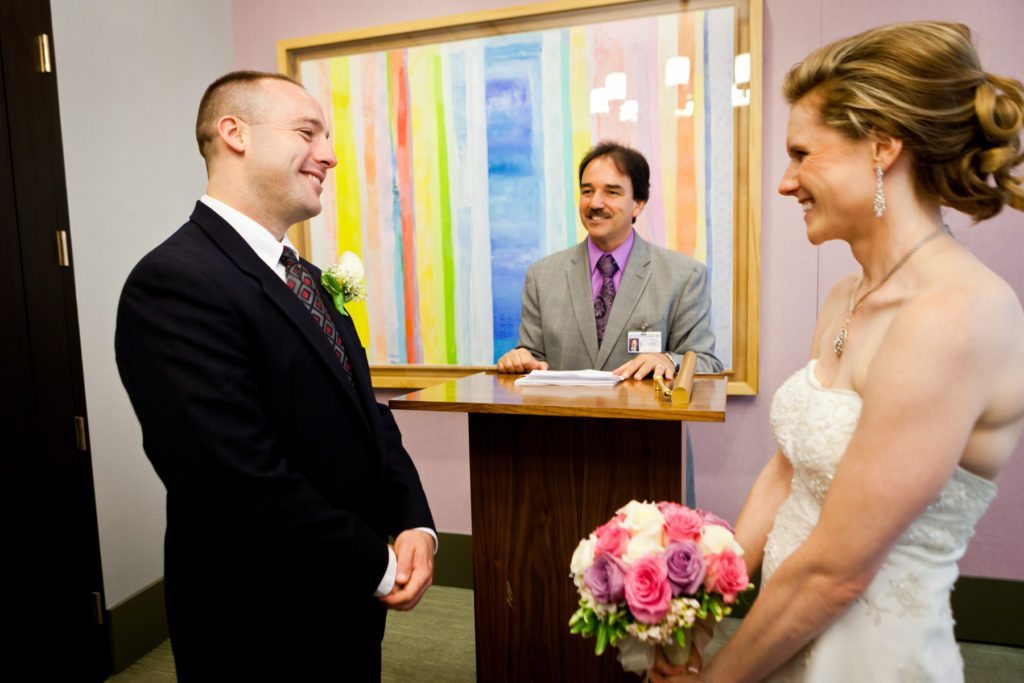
611, 538
648, 592
681, 524
726, 574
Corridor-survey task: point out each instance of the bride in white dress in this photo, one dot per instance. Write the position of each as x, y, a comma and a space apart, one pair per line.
892, 436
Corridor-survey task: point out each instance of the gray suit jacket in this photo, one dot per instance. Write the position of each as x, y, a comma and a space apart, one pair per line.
661, 290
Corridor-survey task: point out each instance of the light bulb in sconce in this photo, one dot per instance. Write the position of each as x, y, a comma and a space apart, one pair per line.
687, 110
742, 68
615, 85
629, 111
677, 71
740, 96
599, 101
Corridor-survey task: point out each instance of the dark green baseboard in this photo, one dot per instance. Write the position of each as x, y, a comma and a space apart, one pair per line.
986, 610
453, 565
137, 625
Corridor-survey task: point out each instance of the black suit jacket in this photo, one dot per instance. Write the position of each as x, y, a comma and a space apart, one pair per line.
284, 478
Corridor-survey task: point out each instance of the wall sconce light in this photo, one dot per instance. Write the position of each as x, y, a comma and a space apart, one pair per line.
677, 71
687, 110
742, 68
740, 96
615, 85
629, 111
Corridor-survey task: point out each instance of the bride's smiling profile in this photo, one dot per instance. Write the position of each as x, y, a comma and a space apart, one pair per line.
891, 438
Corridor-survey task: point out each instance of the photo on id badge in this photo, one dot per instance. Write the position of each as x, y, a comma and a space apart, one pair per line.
642, 341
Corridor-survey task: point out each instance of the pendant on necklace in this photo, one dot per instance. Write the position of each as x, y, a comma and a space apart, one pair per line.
840, 340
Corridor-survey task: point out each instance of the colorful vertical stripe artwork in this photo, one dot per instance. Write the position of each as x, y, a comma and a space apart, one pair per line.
457, 169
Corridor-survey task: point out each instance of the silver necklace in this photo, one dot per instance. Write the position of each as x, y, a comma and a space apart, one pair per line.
839, 342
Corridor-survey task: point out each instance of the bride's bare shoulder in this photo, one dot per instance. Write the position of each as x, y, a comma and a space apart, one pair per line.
971, 288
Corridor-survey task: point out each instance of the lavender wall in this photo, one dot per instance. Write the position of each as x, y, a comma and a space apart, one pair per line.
795, 275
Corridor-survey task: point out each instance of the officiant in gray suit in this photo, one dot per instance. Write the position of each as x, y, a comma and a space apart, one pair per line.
614, 301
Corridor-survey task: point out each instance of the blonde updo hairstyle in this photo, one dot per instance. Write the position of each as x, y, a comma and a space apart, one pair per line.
922, 83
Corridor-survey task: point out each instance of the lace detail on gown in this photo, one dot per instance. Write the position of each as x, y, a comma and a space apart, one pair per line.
901, 628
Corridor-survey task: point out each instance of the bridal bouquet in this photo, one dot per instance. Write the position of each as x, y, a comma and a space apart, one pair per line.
647, 575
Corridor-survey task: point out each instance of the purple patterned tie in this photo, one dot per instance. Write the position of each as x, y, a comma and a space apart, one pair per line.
301, 283
603, 302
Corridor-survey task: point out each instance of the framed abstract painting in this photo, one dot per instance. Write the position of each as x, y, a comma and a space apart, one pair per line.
458, 140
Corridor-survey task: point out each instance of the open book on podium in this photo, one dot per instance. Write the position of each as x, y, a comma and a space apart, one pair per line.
677, 391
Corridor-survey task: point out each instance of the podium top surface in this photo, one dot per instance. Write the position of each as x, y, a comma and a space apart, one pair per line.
630, 400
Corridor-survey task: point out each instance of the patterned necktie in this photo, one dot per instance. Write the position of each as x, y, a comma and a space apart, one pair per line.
603, 302
301, 283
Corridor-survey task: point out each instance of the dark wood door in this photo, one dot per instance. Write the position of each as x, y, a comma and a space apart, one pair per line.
53, 582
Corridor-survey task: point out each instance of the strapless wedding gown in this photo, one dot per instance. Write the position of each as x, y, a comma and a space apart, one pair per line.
901, 628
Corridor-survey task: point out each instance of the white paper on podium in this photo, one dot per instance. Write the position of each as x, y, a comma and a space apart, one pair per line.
569, 378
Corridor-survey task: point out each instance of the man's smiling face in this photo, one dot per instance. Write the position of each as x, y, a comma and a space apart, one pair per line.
289, 153
607, 206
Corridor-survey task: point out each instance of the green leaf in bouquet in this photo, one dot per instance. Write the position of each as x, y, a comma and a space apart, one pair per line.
715, 607
680, 635
617, 633
702, 611
578, 619
602, 639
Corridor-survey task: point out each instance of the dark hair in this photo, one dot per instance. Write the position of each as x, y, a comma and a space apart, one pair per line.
629, 162
229, 95
922, 83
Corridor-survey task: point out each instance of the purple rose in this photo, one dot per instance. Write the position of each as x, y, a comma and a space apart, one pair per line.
712, 518
685, 567
604, 578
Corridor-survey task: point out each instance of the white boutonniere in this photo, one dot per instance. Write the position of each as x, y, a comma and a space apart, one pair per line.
345, 281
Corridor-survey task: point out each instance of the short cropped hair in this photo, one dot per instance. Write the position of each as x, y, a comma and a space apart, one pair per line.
230, 94
629, 162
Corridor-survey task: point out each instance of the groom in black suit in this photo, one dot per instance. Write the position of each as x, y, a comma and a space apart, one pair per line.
284, 476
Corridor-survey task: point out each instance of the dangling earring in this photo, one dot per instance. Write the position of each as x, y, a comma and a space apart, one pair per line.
879, 203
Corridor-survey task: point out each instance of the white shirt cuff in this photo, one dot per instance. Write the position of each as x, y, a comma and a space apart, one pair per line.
388, 582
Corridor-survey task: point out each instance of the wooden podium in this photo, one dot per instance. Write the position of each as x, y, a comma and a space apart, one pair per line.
544, 472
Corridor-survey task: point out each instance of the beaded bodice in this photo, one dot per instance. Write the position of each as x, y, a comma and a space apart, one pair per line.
813, 425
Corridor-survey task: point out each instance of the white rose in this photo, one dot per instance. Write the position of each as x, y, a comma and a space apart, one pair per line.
583, 556
642, 546
351, 268
642, 519
715, 538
